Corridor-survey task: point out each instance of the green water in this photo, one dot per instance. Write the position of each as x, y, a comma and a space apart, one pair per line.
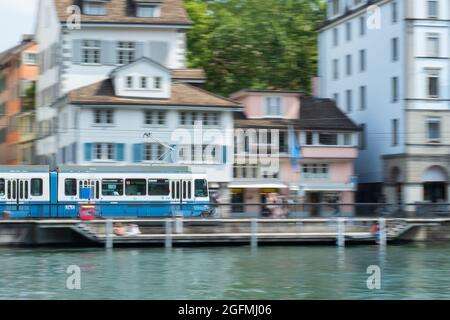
407, 272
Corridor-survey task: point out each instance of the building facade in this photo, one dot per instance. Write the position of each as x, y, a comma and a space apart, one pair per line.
387, 65
117, 90
18, 74
263, 150
82, 42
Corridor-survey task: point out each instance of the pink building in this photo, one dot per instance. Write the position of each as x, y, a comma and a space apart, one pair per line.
329, 146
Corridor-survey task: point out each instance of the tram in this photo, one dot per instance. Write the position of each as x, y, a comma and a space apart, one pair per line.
153, 191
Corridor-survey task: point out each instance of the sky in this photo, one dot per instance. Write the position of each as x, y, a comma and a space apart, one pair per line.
17, 17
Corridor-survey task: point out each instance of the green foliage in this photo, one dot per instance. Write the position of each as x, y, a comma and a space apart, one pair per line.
254, 44
29, 101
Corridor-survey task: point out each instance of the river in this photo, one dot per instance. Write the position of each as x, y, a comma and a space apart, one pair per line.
415, 271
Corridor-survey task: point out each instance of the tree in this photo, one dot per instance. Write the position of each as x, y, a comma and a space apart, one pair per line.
255, 44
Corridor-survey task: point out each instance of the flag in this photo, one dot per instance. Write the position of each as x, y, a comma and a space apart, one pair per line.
294, 148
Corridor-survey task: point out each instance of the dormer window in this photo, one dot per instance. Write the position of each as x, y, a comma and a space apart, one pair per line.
147, 11
143, 83
129, 82
94, 8
158, 83
273, 107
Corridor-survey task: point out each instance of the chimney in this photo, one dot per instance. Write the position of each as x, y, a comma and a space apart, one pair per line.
27, 37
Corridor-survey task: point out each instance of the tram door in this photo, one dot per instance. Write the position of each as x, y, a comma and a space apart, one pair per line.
17, 191
94, 185
181, 191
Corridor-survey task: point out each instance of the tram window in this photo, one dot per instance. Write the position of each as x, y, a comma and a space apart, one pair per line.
184, 189
2, 187
112, 187
26, 189
173, 190
70, 187
201, 188
135, 187
159, 187
9, 189
21, 190
14, 190
189, 189
36, 187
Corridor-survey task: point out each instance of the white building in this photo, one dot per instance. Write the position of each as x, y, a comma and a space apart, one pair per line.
115, 90
387, 64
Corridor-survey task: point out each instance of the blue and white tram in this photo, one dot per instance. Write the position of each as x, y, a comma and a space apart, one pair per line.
154, 191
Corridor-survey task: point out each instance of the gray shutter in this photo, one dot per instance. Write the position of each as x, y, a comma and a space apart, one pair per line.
108, 52
76, 51
139, 50
159, 52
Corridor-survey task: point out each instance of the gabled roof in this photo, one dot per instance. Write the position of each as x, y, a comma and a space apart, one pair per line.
182, 94
5, 55
315, 114
142, 59
323, 114
123, 11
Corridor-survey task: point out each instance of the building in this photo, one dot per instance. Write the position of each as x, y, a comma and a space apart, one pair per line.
82, 42
263, 144
18, 73
117, 90
387, 65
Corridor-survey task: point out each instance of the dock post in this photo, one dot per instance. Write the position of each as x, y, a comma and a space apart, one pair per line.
109, 234
340, 232
254, 232
383, 237
168, 242
179, 224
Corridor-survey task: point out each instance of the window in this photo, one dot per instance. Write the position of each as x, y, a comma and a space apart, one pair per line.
201, 188
433, 83
394, 12
159, 187
30, 58
154, 152
91, 51
433, 45
395, 132
94, 8
394, 89
315, 171
126, 52
2, 188
349, 101
348, 139
363, 137
394, 49
328, 139
309, 138
336, 98
335, 37
362, 60
112, 187
335, 69
348, 59
104, 151
348, 31
335, 7
145, 11
362, 98
143, 82
103, 116
157, 83
155, 118
434, 129
135, 187
433, 9
37, 187
129, 82
362, 25
70, 187
273, 106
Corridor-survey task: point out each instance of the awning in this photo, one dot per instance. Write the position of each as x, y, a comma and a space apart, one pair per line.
317, 187
256, 185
